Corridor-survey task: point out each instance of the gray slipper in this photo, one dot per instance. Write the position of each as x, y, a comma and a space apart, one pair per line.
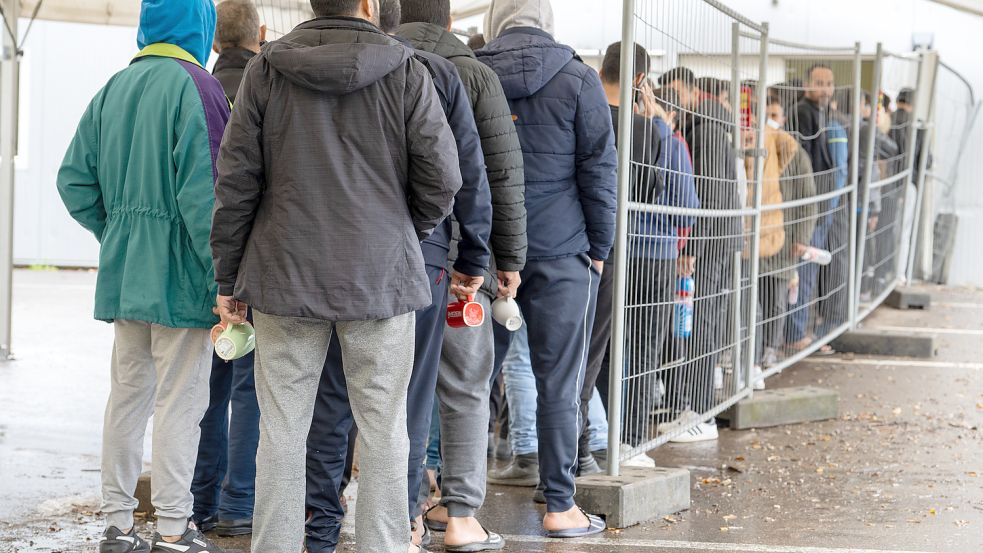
493, 542
596, 526
434, 525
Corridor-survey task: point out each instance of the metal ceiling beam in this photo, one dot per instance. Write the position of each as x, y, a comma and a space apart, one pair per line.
974, 7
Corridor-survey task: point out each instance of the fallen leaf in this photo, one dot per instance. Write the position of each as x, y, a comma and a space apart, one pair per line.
729, 518
931, 512
819, 470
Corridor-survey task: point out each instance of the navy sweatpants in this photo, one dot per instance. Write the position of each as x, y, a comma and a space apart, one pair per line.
558, 300
328, 440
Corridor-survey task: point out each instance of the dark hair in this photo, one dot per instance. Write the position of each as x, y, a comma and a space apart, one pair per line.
886, 102
437, 12
683, 74
814, 67
906, 96
712, 86
389, 15
477, 42
611, 66
327, 8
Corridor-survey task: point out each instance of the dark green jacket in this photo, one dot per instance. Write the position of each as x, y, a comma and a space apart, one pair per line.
499, 141
140, 175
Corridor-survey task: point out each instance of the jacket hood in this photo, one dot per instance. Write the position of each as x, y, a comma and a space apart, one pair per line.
525, 60
508, 14
189, 24
432, 38
336, 55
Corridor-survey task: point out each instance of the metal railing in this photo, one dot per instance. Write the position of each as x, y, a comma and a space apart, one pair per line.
790, 253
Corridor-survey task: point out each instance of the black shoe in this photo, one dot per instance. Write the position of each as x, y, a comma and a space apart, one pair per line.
115, 541
237, 527
540, 495
205, 524
522, 471
193, 541
587, 465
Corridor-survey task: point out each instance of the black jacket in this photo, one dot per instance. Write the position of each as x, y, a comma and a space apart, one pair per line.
472, 205
229, 67
499, 141
709, 135
337, 161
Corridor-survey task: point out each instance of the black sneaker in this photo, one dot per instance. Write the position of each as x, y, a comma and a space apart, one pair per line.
115, 541
237, 527
193, 541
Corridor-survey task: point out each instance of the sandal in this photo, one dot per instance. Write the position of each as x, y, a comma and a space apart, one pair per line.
493, 542
433, 525
596, 526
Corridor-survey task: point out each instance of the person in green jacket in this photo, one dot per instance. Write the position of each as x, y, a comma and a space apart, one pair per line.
140, 175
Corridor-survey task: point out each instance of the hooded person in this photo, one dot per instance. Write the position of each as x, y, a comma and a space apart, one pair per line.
337, 162
329, 436
140, 174
564, 124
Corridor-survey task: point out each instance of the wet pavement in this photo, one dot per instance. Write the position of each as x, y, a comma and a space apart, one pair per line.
901, 469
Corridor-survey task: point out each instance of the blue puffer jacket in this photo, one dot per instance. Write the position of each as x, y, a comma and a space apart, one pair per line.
564, 124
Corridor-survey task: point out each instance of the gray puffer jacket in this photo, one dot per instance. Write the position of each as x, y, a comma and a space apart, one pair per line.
499, 141
337, 161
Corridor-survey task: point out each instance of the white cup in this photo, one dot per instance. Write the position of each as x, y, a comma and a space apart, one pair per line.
507, 313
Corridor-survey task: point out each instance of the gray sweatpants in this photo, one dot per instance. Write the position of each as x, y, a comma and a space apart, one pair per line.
163, 372
463, 390
378, 361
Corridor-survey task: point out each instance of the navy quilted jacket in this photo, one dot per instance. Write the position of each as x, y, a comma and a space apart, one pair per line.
561, 114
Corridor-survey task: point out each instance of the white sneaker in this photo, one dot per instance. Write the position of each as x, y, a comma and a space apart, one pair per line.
641, 460
758, 383
770, 357
703, 432
686, 418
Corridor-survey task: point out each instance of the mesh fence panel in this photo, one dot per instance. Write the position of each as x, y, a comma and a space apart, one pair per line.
281, 16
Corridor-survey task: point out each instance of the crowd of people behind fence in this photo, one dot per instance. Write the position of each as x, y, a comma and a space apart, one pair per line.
345, 188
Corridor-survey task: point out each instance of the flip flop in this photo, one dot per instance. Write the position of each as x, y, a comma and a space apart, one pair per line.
493, 542
434, 525
596, 527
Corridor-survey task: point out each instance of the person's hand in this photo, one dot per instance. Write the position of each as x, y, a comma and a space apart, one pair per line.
872, 223
508, 284
647, 106
598, 265
798, 250
231, 310
686, 265
464, 286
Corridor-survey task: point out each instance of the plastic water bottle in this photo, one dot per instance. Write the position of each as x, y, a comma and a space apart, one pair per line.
817, 256
683, 312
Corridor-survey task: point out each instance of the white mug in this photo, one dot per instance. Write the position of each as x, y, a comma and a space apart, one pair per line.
507, 313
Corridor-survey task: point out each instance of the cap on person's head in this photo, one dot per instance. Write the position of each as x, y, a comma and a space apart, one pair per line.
390, 14
476, 42
187, 24
611, 65
437, 12
237, 23
507, 14
906, 96
681, 74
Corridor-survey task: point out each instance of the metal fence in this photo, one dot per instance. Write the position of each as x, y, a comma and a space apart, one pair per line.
803, 219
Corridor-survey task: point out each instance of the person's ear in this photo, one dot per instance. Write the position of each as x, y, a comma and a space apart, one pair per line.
262, 34
368, 9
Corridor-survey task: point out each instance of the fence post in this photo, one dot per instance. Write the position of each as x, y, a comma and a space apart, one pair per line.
852, 283
868, 171
735, 94
735, 86
927, 73
625, 115
759, 170
903, 265
8, 151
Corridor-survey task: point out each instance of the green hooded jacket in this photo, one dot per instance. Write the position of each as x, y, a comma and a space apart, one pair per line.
140, 173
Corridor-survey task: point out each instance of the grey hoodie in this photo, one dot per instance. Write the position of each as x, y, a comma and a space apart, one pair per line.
337, 161
507, 14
